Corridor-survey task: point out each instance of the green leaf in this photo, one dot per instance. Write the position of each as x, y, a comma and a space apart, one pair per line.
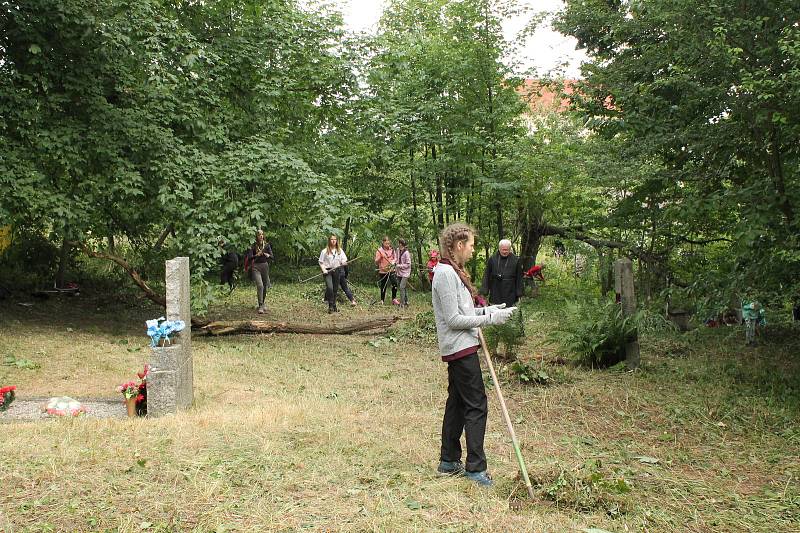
414, 505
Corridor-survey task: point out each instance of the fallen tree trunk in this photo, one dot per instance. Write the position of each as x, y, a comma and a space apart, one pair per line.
231, 327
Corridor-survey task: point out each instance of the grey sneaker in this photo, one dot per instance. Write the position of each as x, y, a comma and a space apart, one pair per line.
481, 478
451, 468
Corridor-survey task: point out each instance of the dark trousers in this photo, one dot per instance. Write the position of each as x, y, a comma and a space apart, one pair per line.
226, 276
466, 411
260, 274
331, 288
386, 279
345, 287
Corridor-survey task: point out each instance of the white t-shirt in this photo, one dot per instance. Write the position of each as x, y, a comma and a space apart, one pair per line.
332, 260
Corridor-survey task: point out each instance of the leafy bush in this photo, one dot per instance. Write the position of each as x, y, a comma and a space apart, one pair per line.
511, 334
594, 333
422, 328
532, 374
30, 262
653, 321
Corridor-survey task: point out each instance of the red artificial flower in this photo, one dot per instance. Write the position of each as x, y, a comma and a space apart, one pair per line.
140, 398
143, 373
7, 389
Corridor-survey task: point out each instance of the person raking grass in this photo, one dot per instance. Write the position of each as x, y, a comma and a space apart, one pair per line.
457, 330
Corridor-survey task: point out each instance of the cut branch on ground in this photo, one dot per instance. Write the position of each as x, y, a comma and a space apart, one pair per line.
231, 327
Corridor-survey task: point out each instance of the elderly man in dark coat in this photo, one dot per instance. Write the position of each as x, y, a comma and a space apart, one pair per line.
502, 281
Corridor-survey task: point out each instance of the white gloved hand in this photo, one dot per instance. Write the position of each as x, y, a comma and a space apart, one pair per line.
324, 271
493, 309
501, 316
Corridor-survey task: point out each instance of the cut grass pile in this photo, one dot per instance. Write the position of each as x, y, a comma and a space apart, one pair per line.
341, 433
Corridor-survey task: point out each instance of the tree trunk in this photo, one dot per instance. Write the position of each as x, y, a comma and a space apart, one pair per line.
150, 293
423, 279
439, 192
161, 238
530, 234
775, 166
227, 327
346, 236
605, 270
499, 213
63, 257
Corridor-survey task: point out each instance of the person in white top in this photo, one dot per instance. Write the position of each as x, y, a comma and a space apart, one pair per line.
332, 261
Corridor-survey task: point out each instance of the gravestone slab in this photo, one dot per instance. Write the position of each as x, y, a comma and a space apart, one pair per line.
170, 386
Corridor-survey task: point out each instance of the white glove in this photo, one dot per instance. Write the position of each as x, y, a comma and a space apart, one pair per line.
493, 309
324, 271
501, 316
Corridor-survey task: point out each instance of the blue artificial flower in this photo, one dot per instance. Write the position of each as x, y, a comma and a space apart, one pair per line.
160, 327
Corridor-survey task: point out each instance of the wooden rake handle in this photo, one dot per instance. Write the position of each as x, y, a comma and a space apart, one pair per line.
507, 418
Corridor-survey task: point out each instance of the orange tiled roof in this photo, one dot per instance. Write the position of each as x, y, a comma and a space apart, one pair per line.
542, 97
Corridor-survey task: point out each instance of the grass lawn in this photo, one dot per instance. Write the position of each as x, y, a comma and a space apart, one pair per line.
341, 433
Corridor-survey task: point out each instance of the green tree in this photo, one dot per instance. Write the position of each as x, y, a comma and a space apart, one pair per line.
122, 118
708, 94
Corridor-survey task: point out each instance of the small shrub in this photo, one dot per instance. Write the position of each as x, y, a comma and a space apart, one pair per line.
511, 335
652, 321
531, 374
421, 328
595, 333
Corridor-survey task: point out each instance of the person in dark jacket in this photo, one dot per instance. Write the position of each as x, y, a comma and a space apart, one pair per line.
230, 262
259, 256
502, 280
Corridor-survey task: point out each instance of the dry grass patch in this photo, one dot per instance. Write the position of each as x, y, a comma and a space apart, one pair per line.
323, 433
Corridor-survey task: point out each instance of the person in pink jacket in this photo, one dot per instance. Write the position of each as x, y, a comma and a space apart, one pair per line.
403, 270
386, 261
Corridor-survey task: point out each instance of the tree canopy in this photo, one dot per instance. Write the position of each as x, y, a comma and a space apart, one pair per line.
134, 120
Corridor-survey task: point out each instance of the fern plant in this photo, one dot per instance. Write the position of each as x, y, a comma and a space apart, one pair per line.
594, 333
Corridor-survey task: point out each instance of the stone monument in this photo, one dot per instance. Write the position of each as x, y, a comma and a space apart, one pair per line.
170, 386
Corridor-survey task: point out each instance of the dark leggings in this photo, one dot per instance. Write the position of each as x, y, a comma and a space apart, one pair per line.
331, 288
386, 279
345, 287
466, 411
260, 275
226, 276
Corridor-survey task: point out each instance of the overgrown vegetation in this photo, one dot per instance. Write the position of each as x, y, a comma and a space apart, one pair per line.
704, 441
594, 333
149, 129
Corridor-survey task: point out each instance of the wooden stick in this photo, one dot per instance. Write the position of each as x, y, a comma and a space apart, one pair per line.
320, 274
507, 418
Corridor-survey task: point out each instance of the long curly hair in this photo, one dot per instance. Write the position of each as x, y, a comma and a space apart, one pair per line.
448, 239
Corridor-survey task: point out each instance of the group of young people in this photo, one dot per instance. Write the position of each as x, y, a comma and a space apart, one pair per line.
392, 265
459, 311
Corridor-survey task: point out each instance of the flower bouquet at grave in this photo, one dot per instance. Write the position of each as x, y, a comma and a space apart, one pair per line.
161, 328
129, 391
141, 398
7, 396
